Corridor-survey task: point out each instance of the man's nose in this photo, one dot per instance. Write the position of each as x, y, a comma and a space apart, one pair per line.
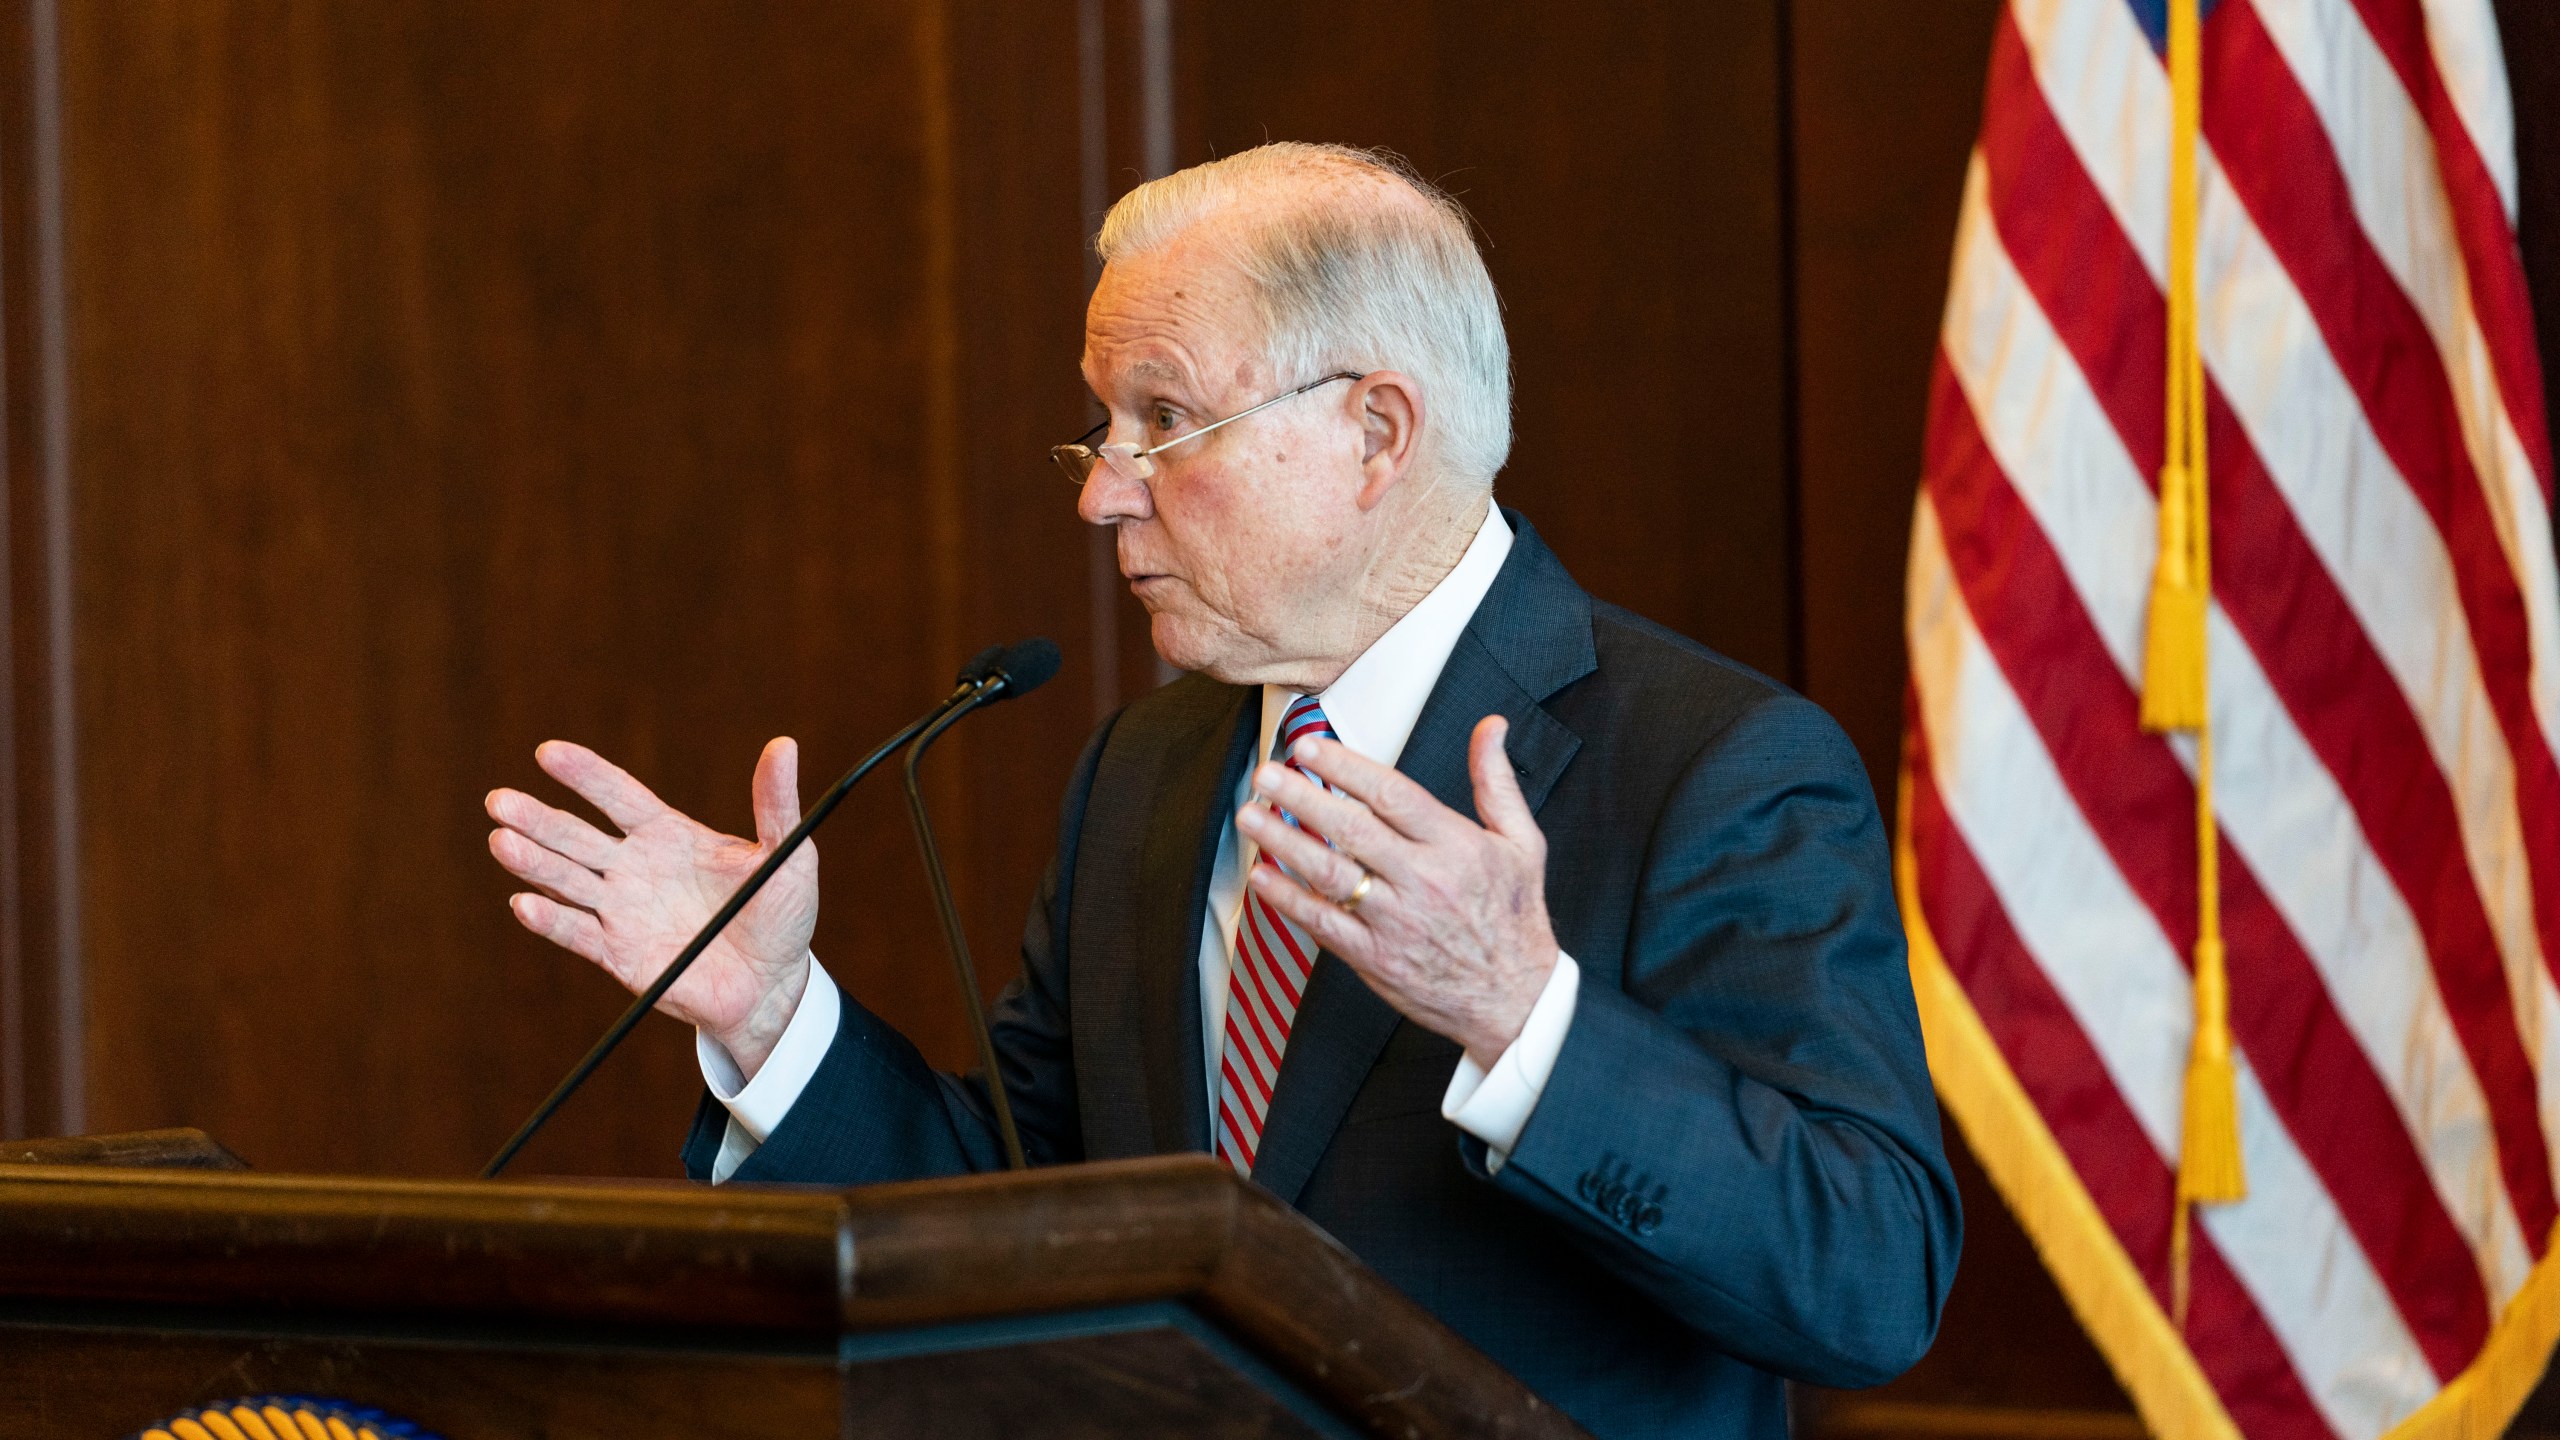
1109, 496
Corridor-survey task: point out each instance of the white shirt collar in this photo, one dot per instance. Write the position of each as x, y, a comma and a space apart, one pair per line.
1374, 705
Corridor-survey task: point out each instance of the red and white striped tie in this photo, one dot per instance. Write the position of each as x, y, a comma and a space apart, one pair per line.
1272, 959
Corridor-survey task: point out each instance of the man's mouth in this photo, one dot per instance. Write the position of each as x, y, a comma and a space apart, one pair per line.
1154, 591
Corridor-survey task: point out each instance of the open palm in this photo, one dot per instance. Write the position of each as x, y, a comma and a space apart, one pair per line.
630, 903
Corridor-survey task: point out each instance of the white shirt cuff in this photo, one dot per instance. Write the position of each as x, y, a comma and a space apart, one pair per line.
1494, 1105
757, 1106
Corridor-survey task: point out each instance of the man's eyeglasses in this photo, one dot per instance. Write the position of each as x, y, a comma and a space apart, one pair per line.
1078, 457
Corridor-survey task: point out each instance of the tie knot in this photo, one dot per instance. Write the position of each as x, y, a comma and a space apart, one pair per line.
1304, 717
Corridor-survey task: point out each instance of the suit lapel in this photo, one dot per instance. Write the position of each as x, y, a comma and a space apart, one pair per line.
1176, 858
1530, 638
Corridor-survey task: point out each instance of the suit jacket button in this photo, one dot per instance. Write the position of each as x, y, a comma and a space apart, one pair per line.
1648, 1220
1587, 1186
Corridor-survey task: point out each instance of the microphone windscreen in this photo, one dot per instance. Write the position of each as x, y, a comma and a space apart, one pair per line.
981, 665
1029, 664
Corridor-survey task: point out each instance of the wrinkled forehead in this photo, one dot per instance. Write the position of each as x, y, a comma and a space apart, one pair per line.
1179, 315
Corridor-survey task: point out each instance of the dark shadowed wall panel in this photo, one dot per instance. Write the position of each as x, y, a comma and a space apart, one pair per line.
1887, 96
1623, 163
1022, 559
42, 1008
453, 376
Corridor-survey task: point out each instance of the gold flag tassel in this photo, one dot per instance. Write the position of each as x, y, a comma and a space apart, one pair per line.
2174, 689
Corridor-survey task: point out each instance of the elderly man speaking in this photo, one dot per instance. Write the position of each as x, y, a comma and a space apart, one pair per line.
1546, 958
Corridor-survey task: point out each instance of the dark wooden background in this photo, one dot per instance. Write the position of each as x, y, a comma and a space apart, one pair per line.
389, 386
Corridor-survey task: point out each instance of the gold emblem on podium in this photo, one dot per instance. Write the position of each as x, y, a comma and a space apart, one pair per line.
282, 1417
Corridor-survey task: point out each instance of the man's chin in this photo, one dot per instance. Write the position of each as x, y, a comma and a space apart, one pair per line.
1186, 644
1180, 644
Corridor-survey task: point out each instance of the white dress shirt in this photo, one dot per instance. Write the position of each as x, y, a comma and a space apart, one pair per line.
1372, 708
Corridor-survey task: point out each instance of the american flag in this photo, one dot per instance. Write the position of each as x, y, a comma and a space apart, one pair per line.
2384, 661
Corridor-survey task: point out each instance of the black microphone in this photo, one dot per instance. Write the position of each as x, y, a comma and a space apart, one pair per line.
1021, 669
983, 672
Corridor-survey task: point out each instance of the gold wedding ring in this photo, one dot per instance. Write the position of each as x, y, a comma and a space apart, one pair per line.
1351, 903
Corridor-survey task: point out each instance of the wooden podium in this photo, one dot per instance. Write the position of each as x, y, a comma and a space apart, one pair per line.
1156, 1297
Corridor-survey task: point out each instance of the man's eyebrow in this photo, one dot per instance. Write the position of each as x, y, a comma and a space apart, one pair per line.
1159, 372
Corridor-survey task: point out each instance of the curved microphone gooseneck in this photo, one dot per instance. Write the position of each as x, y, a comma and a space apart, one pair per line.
983, 671
1022, 669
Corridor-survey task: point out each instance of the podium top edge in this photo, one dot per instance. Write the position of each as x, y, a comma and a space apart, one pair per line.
799, 1267
618, 1252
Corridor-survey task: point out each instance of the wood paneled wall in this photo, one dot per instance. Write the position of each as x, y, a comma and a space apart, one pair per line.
445, 377
427, 380
387, 387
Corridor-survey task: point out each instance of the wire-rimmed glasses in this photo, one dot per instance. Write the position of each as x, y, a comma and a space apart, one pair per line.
1078, 456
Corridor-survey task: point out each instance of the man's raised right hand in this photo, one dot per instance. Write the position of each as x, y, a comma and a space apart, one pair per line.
630, 903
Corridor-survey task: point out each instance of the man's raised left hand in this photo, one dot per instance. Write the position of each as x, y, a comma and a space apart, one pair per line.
1453, 928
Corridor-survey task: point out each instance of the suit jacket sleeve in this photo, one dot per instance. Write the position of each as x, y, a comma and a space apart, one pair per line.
1741, 1126
875, 1111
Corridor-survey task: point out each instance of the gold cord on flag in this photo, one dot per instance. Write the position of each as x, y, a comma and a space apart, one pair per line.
2174, 689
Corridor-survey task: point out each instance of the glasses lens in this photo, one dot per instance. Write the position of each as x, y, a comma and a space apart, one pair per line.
1079, 461
1076, 460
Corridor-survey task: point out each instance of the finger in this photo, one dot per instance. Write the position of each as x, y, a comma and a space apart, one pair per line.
1344, 821
777, 790
601, 783
1328, 870
1390, 794
554, 872
1333, 927
571, 929
551, 828
1499, 803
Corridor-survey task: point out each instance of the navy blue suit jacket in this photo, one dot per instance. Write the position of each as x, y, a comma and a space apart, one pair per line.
1734, 1174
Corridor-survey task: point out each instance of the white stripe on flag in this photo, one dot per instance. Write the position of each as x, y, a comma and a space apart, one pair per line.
2389, 159
2070, 905
2262, 347
2377, 543
2116, 115
2281, 808
2037, 413
2382, 145
2129, 993
2470, 59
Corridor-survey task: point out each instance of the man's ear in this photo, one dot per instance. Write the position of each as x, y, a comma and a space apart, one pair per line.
1388, 404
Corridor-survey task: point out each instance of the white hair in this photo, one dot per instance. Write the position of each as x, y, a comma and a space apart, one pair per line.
1350, 278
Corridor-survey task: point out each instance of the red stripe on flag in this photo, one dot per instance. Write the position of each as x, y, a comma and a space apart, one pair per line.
2053, 1060
2141, 805
2091, 286
2278, 158
2491, 262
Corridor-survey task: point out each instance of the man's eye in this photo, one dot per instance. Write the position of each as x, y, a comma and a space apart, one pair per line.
1164, 417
